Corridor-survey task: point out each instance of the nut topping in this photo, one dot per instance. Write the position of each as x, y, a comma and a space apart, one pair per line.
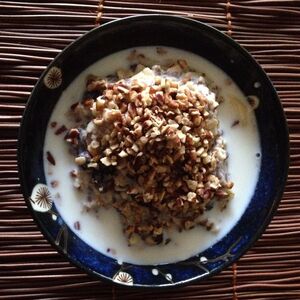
152, 149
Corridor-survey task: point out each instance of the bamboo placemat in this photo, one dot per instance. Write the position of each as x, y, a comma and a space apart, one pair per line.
32, 33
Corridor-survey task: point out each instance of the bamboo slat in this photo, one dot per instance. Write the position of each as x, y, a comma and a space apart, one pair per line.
32, 33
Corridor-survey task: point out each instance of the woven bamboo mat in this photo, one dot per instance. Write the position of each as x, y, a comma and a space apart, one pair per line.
32, 33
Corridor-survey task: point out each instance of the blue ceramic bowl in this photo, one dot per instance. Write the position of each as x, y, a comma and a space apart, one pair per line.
183, 34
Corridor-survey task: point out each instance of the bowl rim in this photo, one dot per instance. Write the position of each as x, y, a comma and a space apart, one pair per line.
285, 164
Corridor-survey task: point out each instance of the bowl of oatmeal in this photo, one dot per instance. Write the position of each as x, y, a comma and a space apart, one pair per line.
153, 151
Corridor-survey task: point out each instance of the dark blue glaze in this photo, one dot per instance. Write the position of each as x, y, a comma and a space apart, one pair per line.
223, 52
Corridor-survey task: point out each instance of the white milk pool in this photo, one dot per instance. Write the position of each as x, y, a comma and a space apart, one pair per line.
103, 230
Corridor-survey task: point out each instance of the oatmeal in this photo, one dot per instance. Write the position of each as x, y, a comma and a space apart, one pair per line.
148, 144
101, 225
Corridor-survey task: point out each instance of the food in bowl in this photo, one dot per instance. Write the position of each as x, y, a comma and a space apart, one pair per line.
149, 146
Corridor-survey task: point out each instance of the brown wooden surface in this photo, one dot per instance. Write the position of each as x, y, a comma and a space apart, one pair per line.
32, 33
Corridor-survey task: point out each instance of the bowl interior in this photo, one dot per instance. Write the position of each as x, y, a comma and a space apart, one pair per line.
226, 54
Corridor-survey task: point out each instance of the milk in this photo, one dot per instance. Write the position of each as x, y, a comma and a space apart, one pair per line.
102, 230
